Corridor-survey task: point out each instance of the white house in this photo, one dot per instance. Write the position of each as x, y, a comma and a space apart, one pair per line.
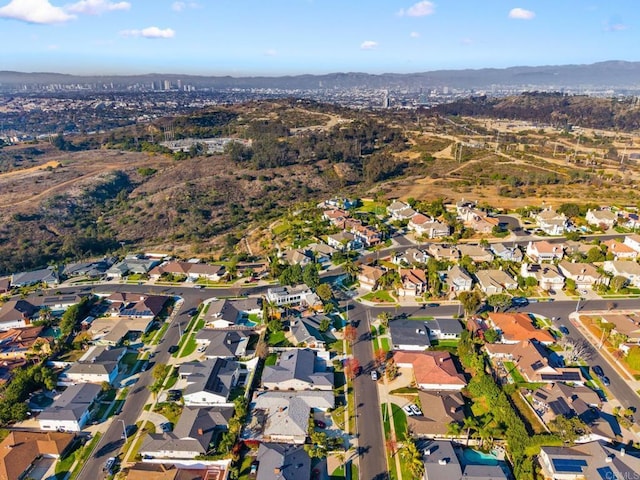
495, 281
552, 223
100, 364
544, 251
601, 218
428, 226
629, 270
400, 211
633, 241
298, 295
547, 275
70, 411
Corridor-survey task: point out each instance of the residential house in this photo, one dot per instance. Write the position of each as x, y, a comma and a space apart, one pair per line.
413, 282
620, 250
629, 220
400, 211
575, 401
344, 241
298, 256
444, 329
191, 270
543, 251
48, 276
627, 324
71, 409
409, 257
283, 416
495, 281
22, 342
627, 269
20, 450
5, 285
465, 209
475, 252
191, 436
335, 217
551, 223
518, 327
482, 223
573, 247
506, 253
428, 226
534, 362
584, 275
409, 335
632, 241
369, 277
457, 279
432, 370
132, 264
169, 471
548, 275
306, 331
444, 409
136, 305
93, 269
257, 269
209, 383
344, 203
57, 303
112, 331
604, 219
321, 252
443, 252
368, 235
441, 461
225, 313
98, 365
298, 295
222, 343
597, 460
16, 314
298, 369
277, 461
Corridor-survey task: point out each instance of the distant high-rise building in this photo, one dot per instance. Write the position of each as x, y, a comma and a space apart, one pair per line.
179, 82
167, 84
385, 99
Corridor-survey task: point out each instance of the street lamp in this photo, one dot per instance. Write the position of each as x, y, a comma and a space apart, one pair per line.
124, 429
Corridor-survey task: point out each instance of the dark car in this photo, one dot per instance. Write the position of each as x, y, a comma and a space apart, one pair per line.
166, 427
519, 301
598, 371
605, 381
320, 424
564, 329
130, 430
173, 348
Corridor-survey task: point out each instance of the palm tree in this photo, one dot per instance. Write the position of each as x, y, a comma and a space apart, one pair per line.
351, 269
413, 458
470, 423
454, 429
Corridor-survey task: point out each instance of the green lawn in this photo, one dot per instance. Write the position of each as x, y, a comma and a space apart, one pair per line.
277, 339
380, 296
384, 344
271, 359
399, 422
173, 378
245, 467
170, 410
338, 417
514, 372
84, 454
63, 465
189, 347
130, 359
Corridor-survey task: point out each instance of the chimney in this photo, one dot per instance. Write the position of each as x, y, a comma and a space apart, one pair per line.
443, 461
200, 432
276, 471
609, 459
427, 451
452, 410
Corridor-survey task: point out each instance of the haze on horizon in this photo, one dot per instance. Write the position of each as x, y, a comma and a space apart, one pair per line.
289, 37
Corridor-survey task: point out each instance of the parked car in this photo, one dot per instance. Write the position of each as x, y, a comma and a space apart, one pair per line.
415, 410
166, 427
407, 409
597, 369
173, 348
320, 424
519, 301
109, 465
605, 380
130, 430
564, 329
374, 375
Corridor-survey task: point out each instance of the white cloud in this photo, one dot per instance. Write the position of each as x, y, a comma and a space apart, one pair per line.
96, 7
466, 41
420, 9
368, 45
414, 35
149, 32
521, 14
180, 6
53, 47
271, 52
35, 11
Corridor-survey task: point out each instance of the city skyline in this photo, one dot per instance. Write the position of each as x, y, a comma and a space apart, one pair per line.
292, 37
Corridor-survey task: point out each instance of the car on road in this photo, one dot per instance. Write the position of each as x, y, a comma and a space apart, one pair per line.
597, 369
173, 348
415, 410
109, 465
519, 301
564, 329
129, 430
605, 380
374, 375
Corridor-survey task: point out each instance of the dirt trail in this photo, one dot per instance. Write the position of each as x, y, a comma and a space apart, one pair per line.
25, 171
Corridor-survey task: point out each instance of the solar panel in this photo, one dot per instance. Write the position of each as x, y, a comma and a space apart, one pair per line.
564, 377
568, 465
606, 473
559, 407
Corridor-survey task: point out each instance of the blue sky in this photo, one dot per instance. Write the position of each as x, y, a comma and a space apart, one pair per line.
279, 37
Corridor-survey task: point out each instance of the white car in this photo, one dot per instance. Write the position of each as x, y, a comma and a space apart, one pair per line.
415, 409
407, 409
374, 375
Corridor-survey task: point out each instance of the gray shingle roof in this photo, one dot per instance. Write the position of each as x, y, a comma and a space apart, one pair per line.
298, 364
72, 403
283, 462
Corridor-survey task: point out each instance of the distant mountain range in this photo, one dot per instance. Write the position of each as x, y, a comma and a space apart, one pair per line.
617, 75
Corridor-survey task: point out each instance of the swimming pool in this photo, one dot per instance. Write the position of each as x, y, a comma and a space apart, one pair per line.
474, 457
245, 322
